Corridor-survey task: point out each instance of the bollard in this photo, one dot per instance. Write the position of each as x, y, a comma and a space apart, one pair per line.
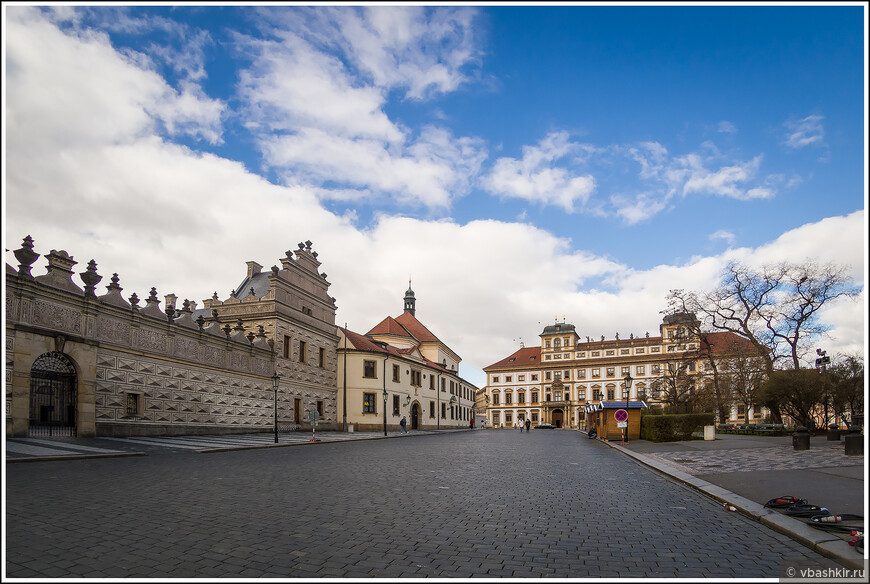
801, 438
833, 433
854, 442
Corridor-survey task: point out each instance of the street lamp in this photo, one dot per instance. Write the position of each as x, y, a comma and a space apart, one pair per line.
626, 395
385, 409
275, 378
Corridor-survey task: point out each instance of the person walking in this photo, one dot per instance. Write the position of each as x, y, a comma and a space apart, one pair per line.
528, 425
520, 424
404, 425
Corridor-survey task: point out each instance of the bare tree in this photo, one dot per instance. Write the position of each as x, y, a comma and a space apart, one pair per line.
775, 308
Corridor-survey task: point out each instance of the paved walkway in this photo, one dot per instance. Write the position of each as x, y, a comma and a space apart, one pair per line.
747, 471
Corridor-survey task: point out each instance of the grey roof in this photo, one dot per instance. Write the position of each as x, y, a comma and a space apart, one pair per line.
259, 282
558, 328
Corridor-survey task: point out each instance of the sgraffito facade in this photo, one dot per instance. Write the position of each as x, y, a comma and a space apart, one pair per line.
78, 364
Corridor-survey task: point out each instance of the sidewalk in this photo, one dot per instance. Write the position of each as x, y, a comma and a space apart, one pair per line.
748, 471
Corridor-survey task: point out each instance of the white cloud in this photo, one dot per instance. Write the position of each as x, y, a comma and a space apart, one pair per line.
728, 181
316, 97
805, 132
726, 127
727, 236
535, 179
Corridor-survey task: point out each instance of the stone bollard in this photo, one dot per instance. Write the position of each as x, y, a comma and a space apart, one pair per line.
833, 433
854, 442
801, 438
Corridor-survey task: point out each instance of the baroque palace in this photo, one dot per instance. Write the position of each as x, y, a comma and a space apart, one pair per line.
565, 381
82, 364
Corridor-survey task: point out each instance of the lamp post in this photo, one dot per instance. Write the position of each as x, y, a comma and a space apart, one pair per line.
275, 378
385, 408
627, 394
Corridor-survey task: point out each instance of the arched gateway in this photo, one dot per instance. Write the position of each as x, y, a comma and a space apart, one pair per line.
52, 396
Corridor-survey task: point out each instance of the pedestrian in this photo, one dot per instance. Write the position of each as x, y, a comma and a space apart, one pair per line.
472, 423
528, 425
404, 425
520, 424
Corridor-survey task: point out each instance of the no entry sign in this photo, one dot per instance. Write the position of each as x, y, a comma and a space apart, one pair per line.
620, 415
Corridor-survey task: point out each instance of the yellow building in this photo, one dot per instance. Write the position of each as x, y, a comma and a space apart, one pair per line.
401, 369
555, 382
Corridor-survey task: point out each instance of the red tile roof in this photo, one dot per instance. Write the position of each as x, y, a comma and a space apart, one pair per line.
415, 327
525, 357
722, 342
363, 343
389, 326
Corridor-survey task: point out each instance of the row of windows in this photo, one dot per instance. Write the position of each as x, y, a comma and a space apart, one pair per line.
557, 395
454, 412
595, 372
302, 356
370, 371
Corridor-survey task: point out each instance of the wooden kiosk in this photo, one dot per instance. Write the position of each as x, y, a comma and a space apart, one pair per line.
605, 416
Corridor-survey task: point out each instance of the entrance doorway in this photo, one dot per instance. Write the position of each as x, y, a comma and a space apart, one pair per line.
52, 396
556, 418
415, 417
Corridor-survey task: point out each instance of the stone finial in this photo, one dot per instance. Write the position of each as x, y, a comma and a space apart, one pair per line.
301, 246
251, 293
227, 330
214, 315
191, 304
114, 284
308, 245
200, 322
261, 332
170, 313
602, 338
153, 296
647, 334
91, 279
185, 306
250, 337
323, 275
314, 254
631, 336
215, 296
232, 293
240, 326
26, 256
170, 299
275, 270
134, 301
617, 336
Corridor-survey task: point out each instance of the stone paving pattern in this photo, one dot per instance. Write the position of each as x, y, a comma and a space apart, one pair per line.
465, 504
765, 459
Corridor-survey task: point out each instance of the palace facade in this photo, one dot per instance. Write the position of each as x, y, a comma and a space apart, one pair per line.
564, 378
79, 364
401, 369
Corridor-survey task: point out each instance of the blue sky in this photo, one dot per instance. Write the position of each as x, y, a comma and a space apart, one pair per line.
518, 162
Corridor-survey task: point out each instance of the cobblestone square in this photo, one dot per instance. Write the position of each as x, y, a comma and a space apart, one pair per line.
465, 504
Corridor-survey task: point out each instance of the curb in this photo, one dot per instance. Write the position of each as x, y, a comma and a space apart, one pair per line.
826, 544
71, 457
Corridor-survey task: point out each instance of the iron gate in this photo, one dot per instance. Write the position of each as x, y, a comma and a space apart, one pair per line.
52, 397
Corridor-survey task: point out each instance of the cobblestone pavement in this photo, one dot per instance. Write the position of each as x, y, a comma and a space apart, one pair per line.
463, 504
766, 459
19, 449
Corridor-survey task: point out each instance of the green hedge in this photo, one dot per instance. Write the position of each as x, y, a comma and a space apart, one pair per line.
673, 427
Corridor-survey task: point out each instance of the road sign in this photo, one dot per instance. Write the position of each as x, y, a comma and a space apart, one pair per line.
312, 417
620, 416
622, 424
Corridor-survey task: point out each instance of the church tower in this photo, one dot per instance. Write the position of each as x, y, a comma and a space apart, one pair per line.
410, 301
